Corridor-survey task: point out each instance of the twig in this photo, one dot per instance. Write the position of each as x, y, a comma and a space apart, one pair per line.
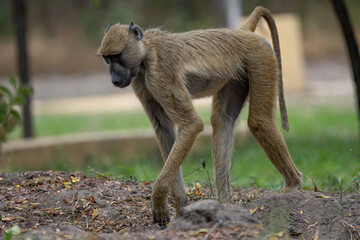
354, 155
348, 226
211, 190
344, 225
47, 216
212, 229
74, 208
341, 196
197, 169
235, 179
203, 165
352, 185
87, 222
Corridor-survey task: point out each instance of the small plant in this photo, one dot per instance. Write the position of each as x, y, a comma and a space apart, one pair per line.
202, 169
13, 231
9, 115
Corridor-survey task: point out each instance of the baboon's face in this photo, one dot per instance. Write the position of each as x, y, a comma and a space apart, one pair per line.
121, 75
123, 51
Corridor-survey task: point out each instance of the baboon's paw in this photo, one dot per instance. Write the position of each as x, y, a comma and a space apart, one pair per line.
162, 218
294, 184
225, 198
161, 215
291, 188
287, 189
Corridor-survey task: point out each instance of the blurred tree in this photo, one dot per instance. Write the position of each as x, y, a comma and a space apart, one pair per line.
353, 50
5, 27
19, 9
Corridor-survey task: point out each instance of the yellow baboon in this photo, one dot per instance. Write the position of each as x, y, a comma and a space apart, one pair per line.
168, 70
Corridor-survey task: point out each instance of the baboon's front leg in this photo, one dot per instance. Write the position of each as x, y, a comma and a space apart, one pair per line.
165, 135
227, 104
180, 109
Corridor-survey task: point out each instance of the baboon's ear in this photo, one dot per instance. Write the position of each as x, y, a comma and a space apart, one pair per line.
136, 30
108, 27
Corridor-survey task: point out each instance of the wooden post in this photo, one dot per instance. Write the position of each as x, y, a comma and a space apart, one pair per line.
20, 22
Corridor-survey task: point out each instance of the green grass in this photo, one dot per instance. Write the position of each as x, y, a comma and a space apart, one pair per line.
319, 142
49, 125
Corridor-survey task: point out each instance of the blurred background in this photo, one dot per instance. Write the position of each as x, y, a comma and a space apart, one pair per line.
81, 122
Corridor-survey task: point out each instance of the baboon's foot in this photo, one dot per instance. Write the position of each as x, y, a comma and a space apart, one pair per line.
160, 214
180, 203
223, 193
287, 189
293, 185
224, 197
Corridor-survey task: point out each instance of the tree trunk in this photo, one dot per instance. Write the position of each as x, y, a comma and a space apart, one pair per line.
343, 16
19, 9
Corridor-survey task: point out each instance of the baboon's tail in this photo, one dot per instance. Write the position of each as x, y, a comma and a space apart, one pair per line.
250, 25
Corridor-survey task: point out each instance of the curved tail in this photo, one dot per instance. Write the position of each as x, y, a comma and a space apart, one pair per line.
250, 25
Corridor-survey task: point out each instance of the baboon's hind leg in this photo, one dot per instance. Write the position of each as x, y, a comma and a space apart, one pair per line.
261, 121
226, 106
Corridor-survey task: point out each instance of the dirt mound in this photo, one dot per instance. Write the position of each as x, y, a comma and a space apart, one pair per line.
312, 215
208, 213
59, 205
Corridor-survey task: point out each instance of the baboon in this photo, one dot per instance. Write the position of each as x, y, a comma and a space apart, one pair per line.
168, 70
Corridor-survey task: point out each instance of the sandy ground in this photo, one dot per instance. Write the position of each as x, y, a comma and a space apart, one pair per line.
60, 205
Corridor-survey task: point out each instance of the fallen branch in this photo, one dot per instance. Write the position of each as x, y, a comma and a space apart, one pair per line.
212, 229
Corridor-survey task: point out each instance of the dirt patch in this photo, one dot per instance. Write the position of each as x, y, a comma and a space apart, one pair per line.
59, 205
309, 215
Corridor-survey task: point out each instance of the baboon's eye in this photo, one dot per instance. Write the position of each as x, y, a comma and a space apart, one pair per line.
116, 57
112, 58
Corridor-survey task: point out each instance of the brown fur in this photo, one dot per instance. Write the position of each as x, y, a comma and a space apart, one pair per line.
178, 67
250, 24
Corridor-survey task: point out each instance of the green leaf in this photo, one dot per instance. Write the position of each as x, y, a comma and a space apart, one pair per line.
15, 114
19, 100
13, 231
7, 91
2, 136
9, 126
14, 82
25, 90
4, 109
8, 236
203, 163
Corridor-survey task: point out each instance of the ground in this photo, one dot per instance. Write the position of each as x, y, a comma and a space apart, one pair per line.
60, 205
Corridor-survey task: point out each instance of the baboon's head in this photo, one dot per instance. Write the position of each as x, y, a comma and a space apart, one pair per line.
123, 51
